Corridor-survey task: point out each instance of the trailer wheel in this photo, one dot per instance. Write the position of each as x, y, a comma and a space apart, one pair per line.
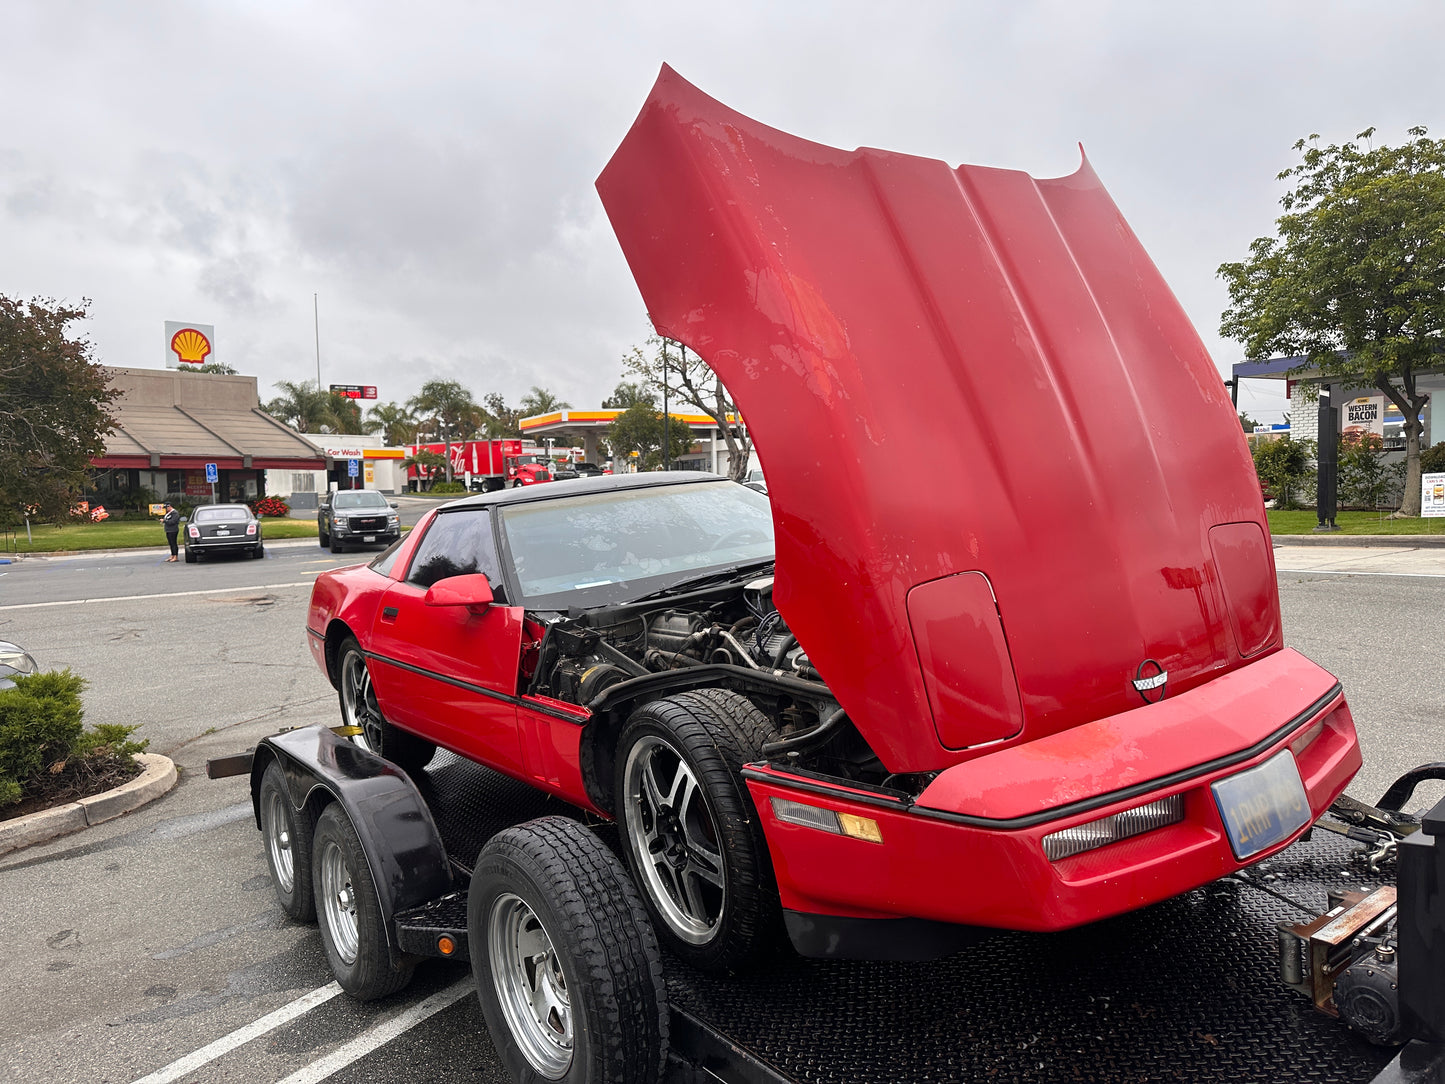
689, 830
359, 709
567, 967
288, 833
348, 911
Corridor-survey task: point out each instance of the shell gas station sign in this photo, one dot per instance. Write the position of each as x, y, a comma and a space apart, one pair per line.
189, 344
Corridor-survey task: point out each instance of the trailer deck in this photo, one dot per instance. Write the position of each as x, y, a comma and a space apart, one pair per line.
1186, 990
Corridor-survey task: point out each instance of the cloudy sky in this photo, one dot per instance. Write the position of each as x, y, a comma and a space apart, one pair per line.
425, 169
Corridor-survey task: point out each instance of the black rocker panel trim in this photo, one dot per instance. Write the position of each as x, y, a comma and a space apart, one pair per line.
480, 690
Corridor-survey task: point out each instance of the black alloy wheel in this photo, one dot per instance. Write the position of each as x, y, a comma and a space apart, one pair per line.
689, 830
359, 709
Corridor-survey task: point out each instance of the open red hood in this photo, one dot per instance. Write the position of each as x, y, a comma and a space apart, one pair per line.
1004, 471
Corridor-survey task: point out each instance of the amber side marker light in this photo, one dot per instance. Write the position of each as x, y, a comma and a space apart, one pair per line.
826, 820
445, 945
1116, 826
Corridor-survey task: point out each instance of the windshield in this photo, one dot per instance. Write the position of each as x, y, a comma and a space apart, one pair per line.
607, 547
220, 513
362, 498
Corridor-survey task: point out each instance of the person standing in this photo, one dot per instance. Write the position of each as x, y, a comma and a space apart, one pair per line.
171, 521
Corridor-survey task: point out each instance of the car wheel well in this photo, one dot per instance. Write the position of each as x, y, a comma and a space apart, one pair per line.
336, 634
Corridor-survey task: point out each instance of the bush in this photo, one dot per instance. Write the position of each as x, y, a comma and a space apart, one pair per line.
1284, 466
41, 729
449, 487
1366, 480
1432, 459
270, 506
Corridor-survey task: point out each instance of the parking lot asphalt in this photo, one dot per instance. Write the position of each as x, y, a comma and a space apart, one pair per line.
151, 948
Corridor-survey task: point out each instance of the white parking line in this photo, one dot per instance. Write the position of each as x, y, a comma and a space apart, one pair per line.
380, 1035
1344, 572
226, 1043
167, 594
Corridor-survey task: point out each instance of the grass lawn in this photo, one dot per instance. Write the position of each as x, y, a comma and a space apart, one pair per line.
127, 534
1305, 521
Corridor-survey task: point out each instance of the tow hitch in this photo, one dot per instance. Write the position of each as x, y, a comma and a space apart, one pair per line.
1376, 960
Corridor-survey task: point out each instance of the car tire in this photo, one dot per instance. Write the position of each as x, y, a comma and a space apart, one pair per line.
190, 556
567, 967
336, 546
323, 538
258, 551
287, 832
348, 911
688, 828
359, 709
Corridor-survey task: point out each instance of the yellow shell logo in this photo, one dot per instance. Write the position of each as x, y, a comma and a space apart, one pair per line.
190, 346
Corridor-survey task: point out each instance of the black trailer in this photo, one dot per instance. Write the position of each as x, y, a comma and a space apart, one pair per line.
464, 863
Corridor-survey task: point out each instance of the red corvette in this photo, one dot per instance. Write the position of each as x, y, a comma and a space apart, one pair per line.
1040, 684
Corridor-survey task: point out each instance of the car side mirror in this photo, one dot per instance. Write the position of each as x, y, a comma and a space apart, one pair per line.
474, 592
392, 503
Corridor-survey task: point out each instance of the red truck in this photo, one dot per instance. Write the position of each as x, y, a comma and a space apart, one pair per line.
492, 464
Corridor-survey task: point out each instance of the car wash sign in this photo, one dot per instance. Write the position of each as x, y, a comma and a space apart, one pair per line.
189, 344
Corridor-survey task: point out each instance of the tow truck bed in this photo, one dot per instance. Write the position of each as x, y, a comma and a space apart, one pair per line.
1186, 990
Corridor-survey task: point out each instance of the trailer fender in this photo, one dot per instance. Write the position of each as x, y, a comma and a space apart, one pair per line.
403, 847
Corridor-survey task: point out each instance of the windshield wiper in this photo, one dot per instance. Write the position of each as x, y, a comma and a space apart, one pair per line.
695, 583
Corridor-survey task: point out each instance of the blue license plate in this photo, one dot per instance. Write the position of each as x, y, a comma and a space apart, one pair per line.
1263, 805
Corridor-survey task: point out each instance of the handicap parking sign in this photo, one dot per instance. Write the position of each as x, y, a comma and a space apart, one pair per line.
211, 475
353, 467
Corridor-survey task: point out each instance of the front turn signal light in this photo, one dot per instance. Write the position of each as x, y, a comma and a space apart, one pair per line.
827, 820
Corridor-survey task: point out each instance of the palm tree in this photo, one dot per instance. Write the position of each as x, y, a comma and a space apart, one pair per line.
303, 406
450, 408
540, 401
395, 423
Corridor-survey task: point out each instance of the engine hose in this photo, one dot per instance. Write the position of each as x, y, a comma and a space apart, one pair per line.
789, 642
807, 740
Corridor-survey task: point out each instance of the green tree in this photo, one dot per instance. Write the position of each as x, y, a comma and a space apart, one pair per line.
541, 401
1283, 465
1355, 280
54, 414
627, 395
429, 462
219, 367
639, 429
447, 408
347, 413
502, 420
304, 406
395, 424
691, 382
1248, 424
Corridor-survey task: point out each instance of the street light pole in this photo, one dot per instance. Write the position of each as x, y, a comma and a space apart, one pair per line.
666, 414
316, 321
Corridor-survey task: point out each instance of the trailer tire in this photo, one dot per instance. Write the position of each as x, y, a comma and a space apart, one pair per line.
552, 909
359, 709
287, 832
348, 910
688, 828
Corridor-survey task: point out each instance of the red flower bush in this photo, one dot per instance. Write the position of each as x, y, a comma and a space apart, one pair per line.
271, 506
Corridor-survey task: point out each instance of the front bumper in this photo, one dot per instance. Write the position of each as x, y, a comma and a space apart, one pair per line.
387, 534
969, 849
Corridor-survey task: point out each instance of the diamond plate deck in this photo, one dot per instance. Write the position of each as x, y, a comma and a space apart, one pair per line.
1186, 990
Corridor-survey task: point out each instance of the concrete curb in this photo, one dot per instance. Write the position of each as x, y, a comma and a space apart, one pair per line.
158, 775
1408, 541
143, 551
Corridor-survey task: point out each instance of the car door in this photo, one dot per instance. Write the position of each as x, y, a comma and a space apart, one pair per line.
449, 673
